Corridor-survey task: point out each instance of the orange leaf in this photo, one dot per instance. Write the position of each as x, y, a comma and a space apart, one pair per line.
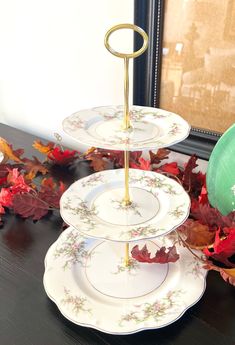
6, 149
33, 167
89, 151
228, 274
38, 145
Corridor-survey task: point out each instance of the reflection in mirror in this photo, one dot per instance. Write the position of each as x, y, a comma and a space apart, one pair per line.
198, 62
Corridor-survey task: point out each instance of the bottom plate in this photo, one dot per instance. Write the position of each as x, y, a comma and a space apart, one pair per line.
91, 286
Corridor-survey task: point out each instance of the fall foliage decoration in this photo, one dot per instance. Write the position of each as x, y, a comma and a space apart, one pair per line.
28, 189
161, 256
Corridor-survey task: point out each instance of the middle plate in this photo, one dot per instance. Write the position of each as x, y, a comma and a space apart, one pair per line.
94, 205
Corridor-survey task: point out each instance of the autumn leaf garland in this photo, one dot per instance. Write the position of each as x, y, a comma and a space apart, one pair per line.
206, 229
18, 190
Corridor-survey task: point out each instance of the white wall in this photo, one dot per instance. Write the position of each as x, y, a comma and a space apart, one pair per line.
53, 61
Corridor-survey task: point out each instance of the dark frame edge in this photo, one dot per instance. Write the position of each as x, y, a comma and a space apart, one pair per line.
149, 15
199, 142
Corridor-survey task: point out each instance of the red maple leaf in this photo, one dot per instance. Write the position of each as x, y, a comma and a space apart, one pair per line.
62, 157
143, 164
223, 248
5, 199
203, 197
29, 205
171, 168
17, 185
17, 181
161, 256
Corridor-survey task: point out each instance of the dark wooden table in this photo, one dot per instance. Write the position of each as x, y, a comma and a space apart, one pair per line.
28, 317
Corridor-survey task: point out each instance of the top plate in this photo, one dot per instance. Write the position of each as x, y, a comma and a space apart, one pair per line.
151, 128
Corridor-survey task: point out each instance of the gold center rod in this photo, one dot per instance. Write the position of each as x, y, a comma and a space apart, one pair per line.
127, 259
126, 123
126, 200
126, 120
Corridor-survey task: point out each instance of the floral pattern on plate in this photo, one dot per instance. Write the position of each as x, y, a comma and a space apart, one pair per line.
151, 128
94, 205
131, 268
156, 311
84, 305
78, 303
72, 249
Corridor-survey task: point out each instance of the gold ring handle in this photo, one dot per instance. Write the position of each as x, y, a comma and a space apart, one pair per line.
126, 26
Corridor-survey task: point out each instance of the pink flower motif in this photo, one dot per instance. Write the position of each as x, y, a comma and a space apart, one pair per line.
76, 246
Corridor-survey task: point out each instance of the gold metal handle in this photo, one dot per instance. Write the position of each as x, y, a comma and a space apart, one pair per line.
126, 55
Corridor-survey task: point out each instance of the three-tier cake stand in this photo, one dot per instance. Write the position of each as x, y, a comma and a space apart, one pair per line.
89, 272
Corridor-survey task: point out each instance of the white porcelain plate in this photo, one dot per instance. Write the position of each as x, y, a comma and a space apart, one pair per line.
92, 287
151, 128
94, 205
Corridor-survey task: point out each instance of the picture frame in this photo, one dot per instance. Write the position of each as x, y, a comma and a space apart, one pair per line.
149, 15
229, 30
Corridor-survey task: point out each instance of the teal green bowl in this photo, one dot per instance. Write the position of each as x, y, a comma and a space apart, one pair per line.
220, 176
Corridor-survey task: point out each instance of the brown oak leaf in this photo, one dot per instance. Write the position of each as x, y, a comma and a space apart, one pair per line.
156, 158
98, 163
198, 236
